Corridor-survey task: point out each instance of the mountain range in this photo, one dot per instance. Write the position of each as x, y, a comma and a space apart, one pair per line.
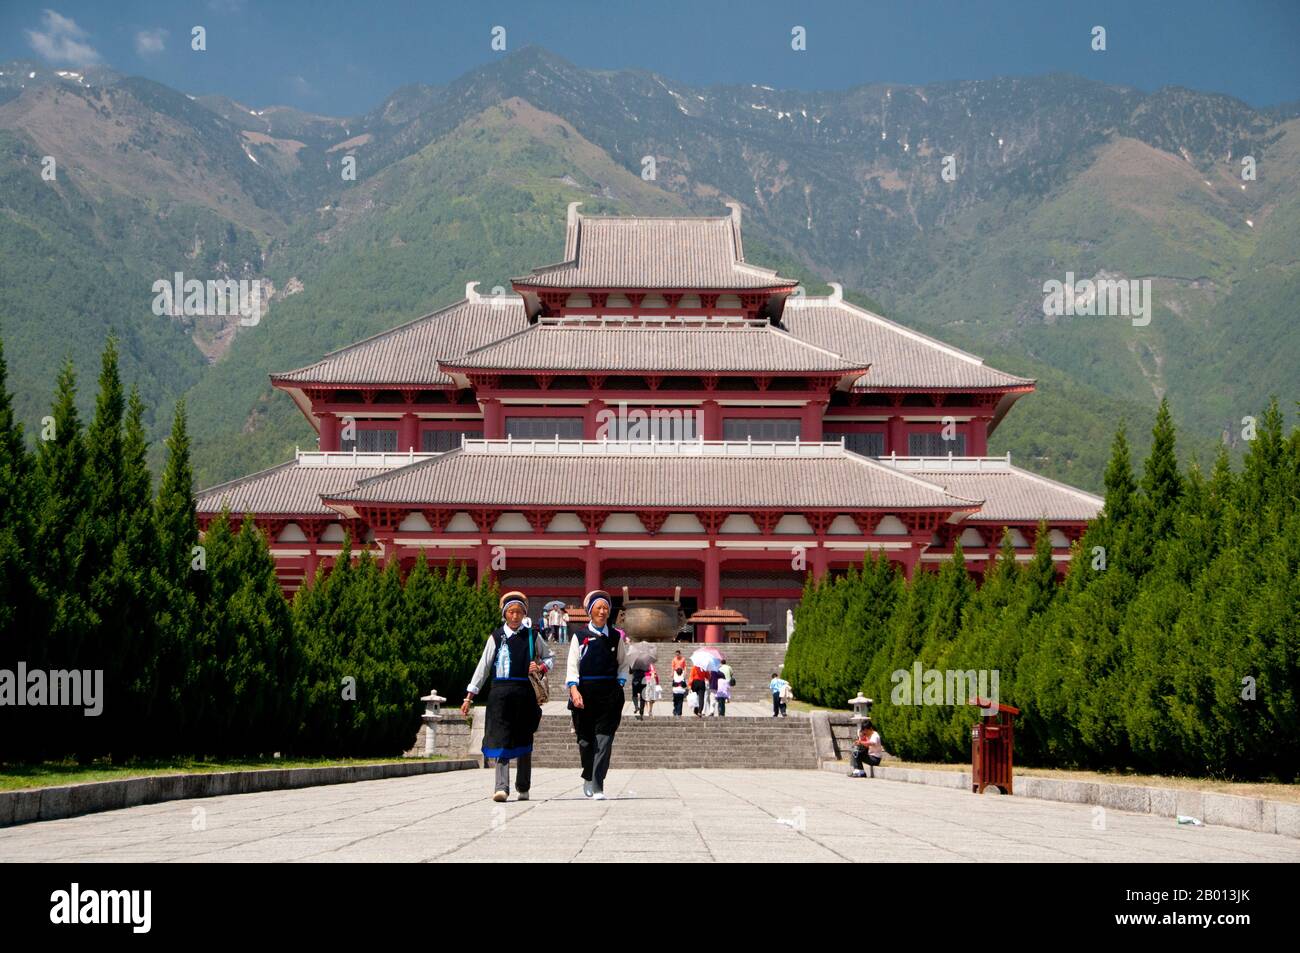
1045, 177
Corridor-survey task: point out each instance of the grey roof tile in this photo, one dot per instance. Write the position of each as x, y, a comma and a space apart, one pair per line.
899, 356
509, 480
409, 354
287, 488
627, 252
759, 347
1016, 495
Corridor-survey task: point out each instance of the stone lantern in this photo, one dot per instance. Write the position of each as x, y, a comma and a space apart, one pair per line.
432, 715
861, 711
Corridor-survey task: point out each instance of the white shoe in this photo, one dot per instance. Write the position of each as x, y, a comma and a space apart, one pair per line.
501, 795
857, 774
523, 796
599, 796
586, 789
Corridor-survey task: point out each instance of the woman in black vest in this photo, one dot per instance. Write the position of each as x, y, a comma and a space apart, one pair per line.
597, 672
511, 654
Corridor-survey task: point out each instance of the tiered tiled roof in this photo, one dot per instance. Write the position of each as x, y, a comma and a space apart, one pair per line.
1009, 493
631, 475
623, 252
410, 354
289, 488
719, 347
899, 357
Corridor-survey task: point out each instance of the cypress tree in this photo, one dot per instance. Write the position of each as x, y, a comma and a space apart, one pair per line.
110, 583
181, 574
134, 580
18, 639
1121, 489
419, 612
1162, 486
63, 573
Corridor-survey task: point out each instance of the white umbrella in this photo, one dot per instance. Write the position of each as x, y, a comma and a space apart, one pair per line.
706, 659
641, 655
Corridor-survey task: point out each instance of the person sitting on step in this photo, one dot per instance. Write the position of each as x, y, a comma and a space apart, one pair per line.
866, 748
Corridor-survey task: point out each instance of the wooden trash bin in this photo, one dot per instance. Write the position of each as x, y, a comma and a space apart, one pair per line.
992, 744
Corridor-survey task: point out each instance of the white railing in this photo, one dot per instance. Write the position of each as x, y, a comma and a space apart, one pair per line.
634, 322
949, 463
384, 459
653, 447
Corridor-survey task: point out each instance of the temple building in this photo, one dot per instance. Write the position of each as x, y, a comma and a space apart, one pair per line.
653, 411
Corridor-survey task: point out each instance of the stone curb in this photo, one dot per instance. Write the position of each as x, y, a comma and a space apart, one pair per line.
70, 800
1225, 810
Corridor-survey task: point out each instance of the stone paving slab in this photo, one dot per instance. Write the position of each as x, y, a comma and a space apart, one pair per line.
745, 816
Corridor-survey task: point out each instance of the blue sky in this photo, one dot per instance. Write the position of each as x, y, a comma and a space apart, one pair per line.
343, 58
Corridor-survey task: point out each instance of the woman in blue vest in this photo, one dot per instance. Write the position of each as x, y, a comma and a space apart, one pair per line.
597, 672
511, 654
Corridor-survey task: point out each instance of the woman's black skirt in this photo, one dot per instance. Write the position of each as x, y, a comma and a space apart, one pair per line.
512, 717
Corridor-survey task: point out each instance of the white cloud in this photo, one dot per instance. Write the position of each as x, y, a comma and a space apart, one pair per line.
300, 86
148, 42
62, 41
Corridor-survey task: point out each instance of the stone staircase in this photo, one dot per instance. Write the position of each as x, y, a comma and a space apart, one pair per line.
753, 665
686, 742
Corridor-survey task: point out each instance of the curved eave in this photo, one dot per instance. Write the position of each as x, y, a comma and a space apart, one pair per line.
297, 390
1004, 405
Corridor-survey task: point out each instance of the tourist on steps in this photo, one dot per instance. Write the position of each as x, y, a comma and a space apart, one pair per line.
679, 688
652, 691
513, 652
711, 706
699, 680
638, 693
722, 692
780, 690
597, 672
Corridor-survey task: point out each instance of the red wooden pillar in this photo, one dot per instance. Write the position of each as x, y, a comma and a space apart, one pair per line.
979, 437
591, 423
494, 427
329, 432
712, 589
408, 433
810, 428
896, 441
820, 559
712, 420
591, 567
910, 558
309, 569
484, 560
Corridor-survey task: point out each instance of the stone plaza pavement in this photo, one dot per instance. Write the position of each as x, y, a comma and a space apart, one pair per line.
654, 815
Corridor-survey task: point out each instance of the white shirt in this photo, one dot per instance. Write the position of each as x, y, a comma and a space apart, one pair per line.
576, 650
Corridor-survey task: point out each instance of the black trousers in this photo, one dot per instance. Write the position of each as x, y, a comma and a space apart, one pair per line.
595, 724
698, 686
679, 698
860, 755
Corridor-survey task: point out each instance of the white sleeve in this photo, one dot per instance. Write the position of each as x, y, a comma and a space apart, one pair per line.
571, 668
624, 671
484, 666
